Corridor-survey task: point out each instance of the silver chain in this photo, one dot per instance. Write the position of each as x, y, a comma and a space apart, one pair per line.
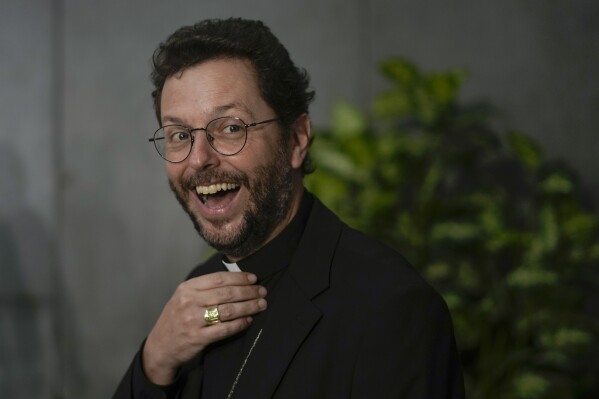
243, 365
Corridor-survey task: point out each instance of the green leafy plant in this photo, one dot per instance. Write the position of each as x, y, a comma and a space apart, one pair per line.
499, 230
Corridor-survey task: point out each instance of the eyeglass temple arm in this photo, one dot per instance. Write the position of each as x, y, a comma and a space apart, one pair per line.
152, 139
259, 123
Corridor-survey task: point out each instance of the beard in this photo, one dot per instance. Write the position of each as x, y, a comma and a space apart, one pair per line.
270, 198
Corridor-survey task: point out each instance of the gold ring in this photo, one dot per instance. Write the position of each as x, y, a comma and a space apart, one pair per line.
211, 315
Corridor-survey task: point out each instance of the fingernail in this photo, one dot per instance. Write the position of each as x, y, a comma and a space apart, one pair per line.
262, 304
262, 291
252, 278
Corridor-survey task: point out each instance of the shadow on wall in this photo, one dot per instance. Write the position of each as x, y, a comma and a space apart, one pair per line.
29, 356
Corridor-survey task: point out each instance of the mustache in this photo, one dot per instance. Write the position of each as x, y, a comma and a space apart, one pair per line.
207, 177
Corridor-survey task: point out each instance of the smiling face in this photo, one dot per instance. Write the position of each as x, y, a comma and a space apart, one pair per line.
237, 203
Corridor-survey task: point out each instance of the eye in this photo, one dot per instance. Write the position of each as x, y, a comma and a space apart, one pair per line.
181, 136
232, 128
176, 134
226, 128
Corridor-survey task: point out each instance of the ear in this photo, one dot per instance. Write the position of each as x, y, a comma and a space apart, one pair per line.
301, 134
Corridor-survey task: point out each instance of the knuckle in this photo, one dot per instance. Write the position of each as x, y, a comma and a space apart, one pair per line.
226, 330
225, 293
188, 319
225, 311
184, 300
182, 287
217, 279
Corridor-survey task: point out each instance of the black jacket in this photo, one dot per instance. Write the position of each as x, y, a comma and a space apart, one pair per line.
354, 320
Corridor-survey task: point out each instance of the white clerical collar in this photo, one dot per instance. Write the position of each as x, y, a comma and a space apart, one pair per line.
232, 267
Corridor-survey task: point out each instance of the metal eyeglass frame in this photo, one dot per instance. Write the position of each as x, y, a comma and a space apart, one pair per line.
210, 139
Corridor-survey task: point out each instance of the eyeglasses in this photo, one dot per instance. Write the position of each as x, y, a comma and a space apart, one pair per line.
226, 135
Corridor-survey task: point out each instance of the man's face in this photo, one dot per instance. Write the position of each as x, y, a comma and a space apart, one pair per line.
255, 186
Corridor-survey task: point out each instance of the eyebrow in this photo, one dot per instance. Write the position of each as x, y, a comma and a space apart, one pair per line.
172, 119
224, 108
215, 112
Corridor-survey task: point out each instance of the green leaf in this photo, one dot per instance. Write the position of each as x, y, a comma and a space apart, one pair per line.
454, 231
453, 300
594, 252
530, 385
400, 71
444, 86
437, 271
416, 146
467, 276
331, 191
529, 277
581, 227
526, 149
549, 230
394, 104
491, 218
430, 183
564, 338
328, 158
347, 120
557, 183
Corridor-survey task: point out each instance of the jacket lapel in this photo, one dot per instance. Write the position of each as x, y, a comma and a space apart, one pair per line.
291, 314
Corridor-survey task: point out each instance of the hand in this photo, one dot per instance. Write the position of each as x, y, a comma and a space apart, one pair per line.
181, 331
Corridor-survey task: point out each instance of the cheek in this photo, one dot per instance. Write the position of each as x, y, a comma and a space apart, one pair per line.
174, 172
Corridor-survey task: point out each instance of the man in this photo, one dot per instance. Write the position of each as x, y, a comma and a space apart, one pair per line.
295, 304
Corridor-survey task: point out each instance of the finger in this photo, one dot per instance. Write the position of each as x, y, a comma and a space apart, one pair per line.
232, 311
218, 296
222, 330
221, 279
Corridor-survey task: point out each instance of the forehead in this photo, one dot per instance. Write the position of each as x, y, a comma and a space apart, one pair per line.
212, 88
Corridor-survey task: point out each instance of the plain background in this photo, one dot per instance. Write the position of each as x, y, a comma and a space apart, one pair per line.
92, 243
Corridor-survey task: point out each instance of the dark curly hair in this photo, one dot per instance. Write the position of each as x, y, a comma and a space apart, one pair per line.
283, 86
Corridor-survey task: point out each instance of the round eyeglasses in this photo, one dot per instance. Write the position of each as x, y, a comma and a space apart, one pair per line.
226, 135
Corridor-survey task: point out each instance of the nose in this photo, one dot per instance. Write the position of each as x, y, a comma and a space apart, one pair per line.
202, 155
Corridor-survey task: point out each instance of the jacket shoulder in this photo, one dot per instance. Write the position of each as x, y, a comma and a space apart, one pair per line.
377, 270
211, 265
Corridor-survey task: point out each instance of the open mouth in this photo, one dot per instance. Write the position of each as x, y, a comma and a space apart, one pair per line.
217, 195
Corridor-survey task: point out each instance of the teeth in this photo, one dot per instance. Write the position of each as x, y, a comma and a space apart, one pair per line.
214, 188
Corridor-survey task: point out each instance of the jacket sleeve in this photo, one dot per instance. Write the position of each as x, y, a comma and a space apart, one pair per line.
135, 384
409, 350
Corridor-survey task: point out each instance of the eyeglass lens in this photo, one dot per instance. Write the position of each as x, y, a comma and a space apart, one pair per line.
226, 135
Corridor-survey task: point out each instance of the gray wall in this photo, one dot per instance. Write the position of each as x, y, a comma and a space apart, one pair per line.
91, 242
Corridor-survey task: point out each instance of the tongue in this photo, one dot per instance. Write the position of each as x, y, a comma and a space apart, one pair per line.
219, 200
